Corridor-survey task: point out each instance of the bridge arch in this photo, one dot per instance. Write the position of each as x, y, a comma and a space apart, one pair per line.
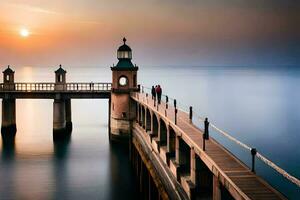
148, 120
171, 143
183, 156
163, 133
142, 115
203, 179
155, 125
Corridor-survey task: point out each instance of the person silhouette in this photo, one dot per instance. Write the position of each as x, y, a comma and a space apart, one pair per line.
158, 92
153, 92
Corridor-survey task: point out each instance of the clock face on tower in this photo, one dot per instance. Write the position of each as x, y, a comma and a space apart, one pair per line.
123, 81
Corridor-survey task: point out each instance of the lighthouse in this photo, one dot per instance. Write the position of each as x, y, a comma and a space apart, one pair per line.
124, 81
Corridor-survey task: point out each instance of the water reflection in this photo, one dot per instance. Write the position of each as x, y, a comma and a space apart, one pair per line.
121, 181
61, 149
60, 171
8, 163
8, 148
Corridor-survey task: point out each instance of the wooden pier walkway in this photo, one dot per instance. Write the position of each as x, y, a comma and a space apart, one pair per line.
234, 175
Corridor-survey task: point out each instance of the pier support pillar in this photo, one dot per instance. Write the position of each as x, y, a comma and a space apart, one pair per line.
69, 124
8, 127
193, 167
216, 189
59, 119
122, 115
179, 154
175, 163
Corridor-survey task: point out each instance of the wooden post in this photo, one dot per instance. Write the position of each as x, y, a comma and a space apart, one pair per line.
139, 88
206, 129
253, 153
191, 113
203, 142
167, 101
147, 98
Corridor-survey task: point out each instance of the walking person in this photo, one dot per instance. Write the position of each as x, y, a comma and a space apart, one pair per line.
158, 92
153, 92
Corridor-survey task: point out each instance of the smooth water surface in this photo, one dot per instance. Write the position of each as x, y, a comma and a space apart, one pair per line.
259, 106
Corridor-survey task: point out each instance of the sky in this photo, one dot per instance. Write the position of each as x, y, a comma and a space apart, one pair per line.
160, 32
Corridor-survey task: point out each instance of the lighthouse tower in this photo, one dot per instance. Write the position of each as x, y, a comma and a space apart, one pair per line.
124, 81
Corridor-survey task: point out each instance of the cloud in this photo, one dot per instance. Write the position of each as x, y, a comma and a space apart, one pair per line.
32, 8
40, 10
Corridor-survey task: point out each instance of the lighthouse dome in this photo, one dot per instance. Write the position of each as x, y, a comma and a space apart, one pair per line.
124, 51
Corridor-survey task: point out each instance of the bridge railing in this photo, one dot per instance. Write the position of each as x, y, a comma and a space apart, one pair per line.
88, 86
44, 87
196, 118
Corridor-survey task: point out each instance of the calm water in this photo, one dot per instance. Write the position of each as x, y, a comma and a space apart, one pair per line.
258, 106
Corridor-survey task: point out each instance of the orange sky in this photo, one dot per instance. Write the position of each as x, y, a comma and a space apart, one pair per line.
87, 32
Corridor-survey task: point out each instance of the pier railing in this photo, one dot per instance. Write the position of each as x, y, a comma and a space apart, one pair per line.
51, 87
196, 118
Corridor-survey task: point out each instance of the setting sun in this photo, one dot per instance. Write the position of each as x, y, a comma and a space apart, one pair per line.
24, 32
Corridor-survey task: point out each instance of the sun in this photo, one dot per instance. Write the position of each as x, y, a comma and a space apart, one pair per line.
24, 32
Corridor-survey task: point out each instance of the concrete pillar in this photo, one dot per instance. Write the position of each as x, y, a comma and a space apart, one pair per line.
68, 107
8, 127
138, 113
177, 150
142, 117
193, 167
216, 189
152, 122
59, 118
183, 154
148, 121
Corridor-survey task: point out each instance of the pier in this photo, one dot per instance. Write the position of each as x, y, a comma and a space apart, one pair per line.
199, 165
172, 157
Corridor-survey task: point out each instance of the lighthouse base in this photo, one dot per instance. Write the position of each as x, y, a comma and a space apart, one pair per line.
120, 129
